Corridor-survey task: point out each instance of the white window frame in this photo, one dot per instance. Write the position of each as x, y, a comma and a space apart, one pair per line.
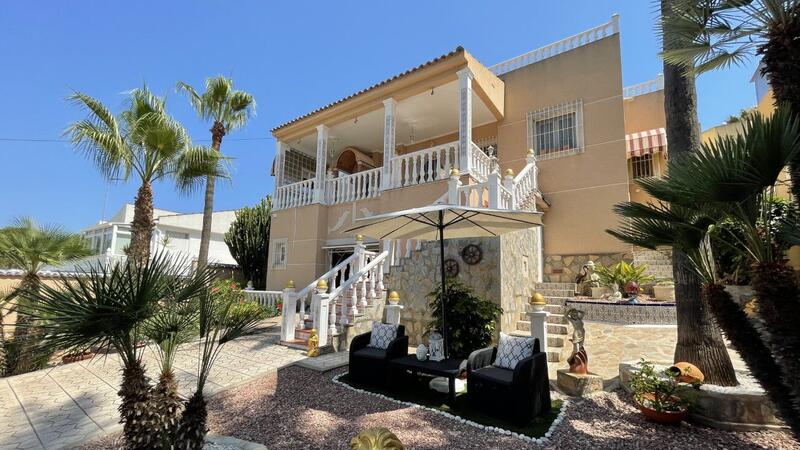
275, 247
552, 112
639, 165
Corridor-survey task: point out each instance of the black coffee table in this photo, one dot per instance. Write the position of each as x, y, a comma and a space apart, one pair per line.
450, 368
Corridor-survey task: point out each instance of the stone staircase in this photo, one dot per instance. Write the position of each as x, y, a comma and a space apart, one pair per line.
556, 296
658, 262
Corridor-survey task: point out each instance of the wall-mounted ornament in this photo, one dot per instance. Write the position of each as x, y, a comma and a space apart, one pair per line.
451, 268
472, 254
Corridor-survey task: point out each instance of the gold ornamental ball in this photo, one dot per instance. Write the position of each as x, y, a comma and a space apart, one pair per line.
359, 238
510, 172
530, 152
454, 172
394, 296
537, 299
290, 284
322, 285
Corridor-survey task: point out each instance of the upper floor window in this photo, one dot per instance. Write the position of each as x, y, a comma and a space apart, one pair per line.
279, 250
642, 166
556, 130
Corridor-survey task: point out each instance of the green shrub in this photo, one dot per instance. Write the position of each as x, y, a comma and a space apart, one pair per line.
620, 274
229, 292
656, 389
470, 319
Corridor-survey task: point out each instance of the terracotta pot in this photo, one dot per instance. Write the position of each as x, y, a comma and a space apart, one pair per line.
663, 417
67, 359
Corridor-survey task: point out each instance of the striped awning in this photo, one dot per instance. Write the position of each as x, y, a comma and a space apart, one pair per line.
646, 142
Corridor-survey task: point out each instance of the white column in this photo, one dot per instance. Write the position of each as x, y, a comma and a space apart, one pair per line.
114, 231
280, 163
508, 183
539, 328
465, 77
288, 313
320, 303
494, 190
389, 139
452, 187
322, 159
358, 286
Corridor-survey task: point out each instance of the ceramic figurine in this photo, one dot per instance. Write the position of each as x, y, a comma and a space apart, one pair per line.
313, 344
422, 352
436, 347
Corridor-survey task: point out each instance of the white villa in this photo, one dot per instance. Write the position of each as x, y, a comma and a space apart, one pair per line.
175, 232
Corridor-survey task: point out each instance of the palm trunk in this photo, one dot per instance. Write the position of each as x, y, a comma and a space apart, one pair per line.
192, 430
699, 339
139, 422
746, 339
778, 297
26, 336
143, 224
217, 133
781, 58
168, 405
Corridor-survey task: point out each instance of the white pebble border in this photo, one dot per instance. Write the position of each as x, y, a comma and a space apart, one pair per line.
544, 440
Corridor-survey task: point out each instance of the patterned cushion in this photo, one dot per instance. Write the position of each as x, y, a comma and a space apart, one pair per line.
382, 335
511, 350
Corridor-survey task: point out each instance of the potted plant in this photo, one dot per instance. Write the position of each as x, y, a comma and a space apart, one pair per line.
664, 290
618, 276
655, 395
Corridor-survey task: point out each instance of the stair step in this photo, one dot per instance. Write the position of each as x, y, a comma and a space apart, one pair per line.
558, 329
552, 341
553, 356
556, 292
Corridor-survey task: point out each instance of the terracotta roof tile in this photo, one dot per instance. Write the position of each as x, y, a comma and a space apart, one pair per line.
457, 50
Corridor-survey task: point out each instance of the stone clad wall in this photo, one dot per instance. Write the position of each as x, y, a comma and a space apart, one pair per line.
564, 268
519, 265
500, 277
639, 314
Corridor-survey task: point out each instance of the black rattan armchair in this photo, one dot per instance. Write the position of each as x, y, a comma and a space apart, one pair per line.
518, 395
371, 365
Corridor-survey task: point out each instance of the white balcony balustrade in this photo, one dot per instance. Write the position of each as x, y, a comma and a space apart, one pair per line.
354, 187
294, 195
424, 166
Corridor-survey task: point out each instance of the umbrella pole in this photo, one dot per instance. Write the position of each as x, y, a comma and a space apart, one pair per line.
444, 284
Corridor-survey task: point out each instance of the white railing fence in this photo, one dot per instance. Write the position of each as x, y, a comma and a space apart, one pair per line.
294, 195
587, 37
353, 187
644, 88
526, 185
423, 166
267, 299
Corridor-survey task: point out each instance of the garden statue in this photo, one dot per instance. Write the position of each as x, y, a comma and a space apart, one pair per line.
578, 360
583, 277
313, 343
376, 439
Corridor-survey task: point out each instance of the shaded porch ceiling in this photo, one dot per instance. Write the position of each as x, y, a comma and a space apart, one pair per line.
427, 115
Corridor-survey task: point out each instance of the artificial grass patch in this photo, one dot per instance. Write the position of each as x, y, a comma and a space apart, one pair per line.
414, 389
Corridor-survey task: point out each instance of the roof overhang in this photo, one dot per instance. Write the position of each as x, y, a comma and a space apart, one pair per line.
437, 72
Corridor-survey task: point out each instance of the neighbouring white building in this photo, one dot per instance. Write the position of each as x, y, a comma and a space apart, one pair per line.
176, 232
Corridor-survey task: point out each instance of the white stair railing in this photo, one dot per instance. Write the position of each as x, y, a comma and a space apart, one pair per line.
526, 184
482, 164
423, 166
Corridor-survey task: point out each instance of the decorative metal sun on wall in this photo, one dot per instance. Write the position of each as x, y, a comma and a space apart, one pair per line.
472, 254
451, 268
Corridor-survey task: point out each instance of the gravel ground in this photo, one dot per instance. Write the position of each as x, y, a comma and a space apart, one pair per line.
298, 408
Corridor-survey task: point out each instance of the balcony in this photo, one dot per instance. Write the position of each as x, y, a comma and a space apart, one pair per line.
406, 170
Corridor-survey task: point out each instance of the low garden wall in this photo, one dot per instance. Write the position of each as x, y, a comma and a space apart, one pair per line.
650, 313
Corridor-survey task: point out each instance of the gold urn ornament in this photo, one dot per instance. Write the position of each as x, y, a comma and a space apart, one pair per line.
454, 172
313, 344
537, 301
394, 298
322, 286
509, 172
290, 284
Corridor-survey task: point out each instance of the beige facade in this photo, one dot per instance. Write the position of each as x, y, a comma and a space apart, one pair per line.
564, 101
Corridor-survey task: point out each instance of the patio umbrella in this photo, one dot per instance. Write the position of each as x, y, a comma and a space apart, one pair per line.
430, 223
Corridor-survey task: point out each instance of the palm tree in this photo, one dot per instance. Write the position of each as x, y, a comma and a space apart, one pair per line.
699, 338
27, 246
221, 320
227, 109
733, 179
144, 141
703, 35
109, 308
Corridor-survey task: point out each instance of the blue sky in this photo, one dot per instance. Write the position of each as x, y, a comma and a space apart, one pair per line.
292, 56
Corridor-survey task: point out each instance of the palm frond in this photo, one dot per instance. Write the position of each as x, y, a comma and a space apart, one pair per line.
100, 138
